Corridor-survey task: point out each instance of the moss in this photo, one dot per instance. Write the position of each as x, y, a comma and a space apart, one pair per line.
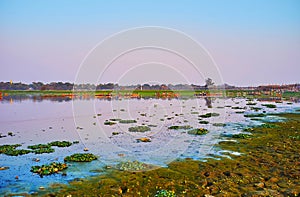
139, 129
80, 157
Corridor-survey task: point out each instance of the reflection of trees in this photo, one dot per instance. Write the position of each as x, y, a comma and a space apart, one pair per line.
208, 101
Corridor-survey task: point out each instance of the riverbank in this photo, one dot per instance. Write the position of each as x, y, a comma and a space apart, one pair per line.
268, 166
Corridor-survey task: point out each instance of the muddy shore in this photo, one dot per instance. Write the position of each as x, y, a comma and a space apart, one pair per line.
268, 166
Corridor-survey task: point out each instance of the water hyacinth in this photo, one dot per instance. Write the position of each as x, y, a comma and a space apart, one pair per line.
81, 157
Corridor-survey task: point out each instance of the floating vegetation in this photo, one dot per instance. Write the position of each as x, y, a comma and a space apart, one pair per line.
208, 115
80, 157
10, 133
7, 147
60, 143
289, 103
240, 112
115, 119
165, 193
241, 136
43, 150
184, 127
115, 133
269, 105
99, 114
238, 107
75, 142
256, 108
251, 103
199, 131
39, 146
132, 166
254, 115
219, 124
139, 129
48, 169
203, 122
194, 112
109, 123
16, 152
127, 121
143, 139
152, 125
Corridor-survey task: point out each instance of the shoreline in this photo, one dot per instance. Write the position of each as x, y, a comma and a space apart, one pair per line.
269, 165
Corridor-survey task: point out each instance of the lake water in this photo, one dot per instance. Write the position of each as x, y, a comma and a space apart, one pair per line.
42, 121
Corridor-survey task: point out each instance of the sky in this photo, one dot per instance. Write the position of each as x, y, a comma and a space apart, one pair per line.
252, 42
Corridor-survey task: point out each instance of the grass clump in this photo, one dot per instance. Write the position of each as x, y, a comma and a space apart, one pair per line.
48, 169
80, 157
184, 127
139, 129
198, 131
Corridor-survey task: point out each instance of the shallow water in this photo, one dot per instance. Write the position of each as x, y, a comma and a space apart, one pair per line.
35, 122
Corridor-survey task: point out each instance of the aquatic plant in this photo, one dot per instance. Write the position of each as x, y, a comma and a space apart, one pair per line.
198, 131
203, 122
39, 146
238, 107
165, 193
184, 127
127, 121
139, 129
194, 112
109, 123
16, 152
115, 119
80, 157
48, 169
240, 112
115, 133
269, 105
208, 115
254, 115
256, 108
251, 103
8, 147
60, 143
219, 124
43, 150
267, 125
241, 136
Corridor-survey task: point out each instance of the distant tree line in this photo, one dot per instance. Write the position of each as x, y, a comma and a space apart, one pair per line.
106, 86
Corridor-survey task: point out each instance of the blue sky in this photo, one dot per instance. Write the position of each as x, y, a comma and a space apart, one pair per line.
252, 42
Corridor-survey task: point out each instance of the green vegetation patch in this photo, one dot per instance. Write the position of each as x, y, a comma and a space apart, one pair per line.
109, 123
269, 105
80, 157
184, 127
198, 131
60, 143
165, 193
256, 108
208, 115
39, 146
219, 124
43, 150
241, 136
7, 147
254, 115
203, 122
48, 169
251, 103
139, 129
127, 121
132, 166
12, 151
267, 125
